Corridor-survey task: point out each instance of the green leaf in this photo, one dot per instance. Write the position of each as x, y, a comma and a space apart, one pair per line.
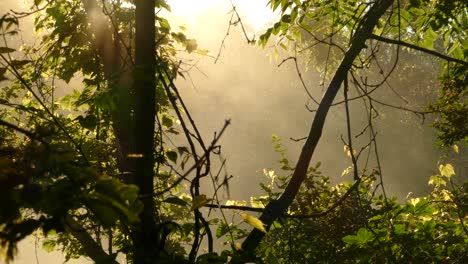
364, 235
176, 200
436, 180
6, 50
2, 74
211, 258
49, 245
199, 201
106, 214
399, 229
172, 155
167, 121
447, 170
19, 63
415, 3
254, 221
222, 229
191, 45
350, 240
88, 122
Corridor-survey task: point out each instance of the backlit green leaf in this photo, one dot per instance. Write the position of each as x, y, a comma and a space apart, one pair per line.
254, 221
447, 170
199, 201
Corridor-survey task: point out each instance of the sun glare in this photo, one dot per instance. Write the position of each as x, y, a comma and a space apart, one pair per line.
254, 13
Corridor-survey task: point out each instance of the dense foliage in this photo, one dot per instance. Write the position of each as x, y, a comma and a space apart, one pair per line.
87, 111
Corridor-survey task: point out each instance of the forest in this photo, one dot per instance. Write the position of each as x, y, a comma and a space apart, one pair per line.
112, 151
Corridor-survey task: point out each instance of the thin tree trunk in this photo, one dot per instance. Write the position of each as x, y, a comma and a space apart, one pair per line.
145, 237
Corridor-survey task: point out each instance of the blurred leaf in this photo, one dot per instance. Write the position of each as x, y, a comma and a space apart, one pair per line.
172, 155
6, 50
254, 221
222, 229
364, 236
236, 202
103, 211
256, 203
414, 201
436, 180
199, 201
350, 240
19, 63
399, 229
88, 122
447, 170
191, 45
167, 121
176, 200
49, 245
2, 74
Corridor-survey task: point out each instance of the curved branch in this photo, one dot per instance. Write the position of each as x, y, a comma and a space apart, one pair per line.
277, 208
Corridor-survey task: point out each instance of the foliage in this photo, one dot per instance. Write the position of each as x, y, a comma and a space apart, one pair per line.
452, 106
367, 227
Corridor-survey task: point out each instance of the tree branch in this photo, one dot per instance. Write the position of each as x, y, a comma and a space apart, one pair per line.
90, 246
411, 46
27, 133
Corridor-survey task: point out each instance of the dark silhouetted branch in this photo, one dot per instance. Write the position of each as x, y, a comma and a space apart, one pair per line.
277, 208
412, 46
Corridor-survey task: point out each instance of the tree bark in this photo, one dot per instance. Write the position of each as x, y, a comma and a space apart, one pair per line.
145, 238
278, 207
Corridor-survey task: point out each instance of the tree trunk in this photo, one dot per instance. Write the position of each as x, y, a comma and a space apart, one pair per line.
145, 237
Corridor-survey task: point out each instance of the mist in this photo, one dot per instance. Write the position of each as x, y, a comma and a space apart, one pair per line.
261, 98
247, 86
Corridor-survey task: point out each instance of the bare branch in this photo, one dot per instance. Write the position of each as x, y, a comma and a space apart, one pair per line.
411, 46
90, 246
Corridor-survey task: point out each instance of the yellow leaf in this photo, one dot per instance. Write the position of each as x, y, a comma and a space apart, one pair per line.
437, 181
199, 201
447, 170
347, 150
236, 203
446, 195
254, 221
269, 173
455, 148
414, 201
238, 246
346, 171
256, 203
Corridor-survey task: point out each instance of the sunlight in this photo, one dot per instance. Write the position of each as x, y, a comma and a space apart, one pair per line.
254, 14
